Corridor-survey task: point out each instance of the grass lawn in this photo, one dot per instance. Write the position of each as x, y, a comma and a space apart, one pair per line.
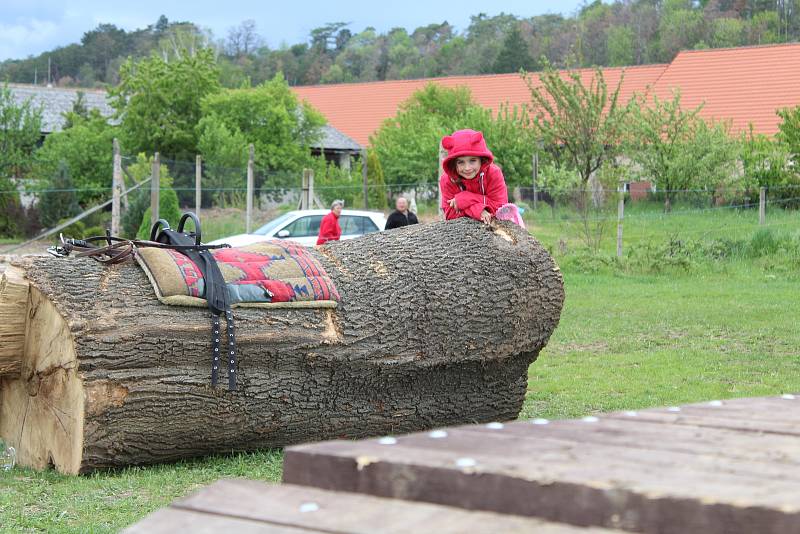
720, 330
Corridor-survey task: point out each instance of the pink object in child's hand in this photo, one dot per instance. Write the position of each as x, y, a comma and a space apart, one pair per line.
510, 212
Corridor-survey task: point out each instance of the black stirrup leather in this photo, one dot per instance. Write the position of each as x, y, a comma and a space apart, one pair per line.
215, 293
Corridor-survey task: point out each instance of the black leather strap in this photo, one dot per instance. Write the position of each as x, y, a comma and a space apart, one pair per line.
215, 293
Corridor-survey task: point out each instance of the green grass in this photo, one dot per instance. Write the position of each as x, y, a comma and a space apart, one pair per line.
629, 342
626, 340
110, 501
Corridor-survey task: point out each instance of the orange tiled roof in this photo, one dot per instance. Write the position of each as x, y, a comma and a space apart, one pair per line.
358, 109
743, 85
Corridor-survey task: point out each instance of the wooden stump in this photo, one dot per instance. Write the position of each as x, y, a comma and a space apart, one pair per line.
437, 326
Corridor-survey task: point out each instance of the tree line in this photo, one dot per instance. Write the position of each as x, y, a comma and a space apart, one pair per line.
618, 33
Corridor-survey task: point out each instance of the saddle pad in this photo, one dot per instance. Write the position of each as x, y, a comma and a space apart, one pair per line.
271, 274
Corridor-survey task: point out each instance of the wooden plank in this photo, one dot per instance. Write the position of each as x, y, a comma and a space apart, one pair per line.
246, 503
649, 472
770, 415
174, 520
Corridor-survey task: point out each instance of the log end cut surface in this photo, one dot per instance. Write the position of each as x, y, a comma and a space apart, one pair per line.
41, 406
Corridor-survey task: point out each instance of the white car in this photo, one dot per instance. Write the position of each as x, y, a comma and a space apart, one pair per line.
302, 226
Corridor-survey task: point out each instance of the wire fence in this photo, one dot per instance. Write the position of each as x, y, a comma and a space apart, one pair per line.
47, 203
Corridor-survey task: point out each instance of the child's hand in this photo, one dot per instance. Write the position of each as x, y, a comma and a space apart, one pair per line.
454, 205
486, 217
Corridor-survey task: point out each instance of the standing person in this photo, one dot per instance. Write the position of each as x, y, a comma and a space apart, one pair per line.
472, 185
401, 216
329, 229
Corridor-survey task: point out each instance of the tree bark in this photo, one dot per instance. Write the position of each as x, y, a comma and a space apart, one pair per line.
437, 326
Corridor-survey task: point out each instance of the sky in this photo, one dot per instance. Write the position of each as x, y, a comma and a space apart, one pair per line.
30, 27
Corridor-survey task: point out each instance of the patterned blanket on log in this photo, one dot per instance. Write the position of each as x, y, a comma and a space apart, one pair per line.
269, 274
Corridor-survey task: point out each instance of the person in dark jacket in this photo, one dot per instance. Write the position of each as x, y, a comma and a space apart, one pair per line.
401, 216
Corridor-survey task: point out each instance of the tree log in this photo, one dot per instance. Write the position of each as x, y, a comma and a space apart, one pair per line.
437, 325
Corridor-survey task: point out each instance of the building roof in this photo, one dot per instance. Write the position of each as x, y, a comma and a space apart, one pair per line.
744, 85
56, 101
333, 139
358, 109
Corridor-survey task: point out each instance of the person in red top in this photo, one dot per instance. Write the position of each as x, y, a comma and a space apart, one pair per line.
329, 229
472, 185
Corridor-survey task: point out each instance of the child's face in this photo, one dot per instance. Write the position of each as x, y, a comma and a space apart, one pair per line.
468, 166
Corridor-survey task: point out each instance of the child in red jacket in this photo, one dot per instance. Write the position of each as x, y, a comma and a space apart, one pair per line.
472, 185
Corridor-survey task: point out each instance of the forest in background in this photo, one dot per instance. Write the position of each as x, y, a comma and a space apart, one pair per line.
622, 32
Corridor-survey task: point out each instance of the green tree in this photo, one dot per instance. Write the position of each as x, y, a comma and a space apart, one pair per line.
676, 149
269, 116
727, 32
158, 101
407, 144
578, 117
20, 131
60, 201
225, 154
581, 123
514, 54
767, 163
620, 46
789, 131
85, 148
376, 182
20, 127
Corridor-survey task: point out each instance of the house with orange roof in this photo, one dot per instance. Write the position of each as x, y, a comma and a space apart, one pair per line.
743, 85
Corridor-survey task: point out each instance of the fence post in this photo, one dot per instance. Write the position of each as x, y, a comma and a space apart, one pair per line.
116, 181
155, 189
762, 206
364, 175
535, 175
250, 165
198, 174
304, 194
311, 189
620, 216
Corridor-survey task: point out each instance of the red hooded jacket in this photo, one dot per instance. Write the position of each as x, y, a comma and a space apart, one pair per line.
485, 191
329, 229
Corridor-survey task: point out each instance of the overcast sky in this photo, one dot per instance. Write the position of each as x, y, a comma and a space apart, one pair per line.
29, 27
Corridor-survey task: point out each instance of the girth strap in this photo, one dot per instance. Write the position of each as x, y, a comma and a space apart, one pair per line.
216, 290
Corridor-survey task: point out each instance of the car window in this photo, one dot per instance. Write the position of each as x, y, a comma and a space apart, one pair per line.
274, 223
356, 225
304, 226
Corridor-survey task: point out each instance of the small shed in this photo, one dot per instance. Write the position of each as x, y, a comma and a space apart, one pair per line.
336, 147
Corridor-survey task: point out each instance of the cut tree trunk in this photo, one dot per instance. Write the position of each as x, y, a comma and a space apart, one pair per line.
437, 325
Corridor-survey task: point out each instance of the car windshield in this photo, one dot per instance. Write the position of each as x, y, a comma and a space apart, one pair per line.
273, 224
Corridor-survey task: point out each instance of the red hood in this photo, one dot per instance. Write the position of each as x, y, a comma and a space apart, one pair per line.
464, 143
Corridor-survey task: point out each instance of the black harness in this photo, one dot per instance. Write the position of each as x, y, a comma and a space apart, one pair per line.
216, 291
110, 250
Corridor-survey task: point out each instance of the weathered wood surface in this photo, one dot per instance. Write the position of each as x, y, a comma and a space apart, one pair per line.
13, 303
437, 326
244, 506
718, 467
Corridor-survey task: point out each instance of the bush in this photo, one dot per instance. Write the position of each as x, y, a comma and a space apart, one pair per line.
62, 201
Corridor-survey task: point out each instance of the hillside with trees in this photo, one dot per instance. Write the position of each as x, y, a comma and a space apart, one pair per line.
622, 32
